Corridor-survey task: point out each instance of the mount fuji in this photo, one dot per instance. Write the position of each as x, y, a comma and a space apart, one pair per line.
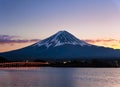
61, 46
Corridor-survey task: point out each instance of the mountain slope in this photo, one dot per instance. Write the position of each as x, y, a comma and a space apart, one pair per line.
61, 46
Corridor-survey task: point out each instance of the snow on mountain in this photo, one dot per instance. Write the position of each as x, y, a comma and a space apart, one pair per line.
61, 38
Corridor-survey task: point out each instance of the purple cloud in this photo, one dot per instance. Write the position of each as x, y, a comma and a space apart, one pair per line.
101, 40
6, 39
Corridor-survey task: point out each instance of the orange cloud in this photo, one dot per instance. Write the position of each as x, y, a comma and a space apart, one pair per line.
112, 43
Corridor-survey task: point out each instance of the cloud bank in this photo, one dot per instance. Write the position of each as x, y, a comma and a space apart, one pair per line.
6, 39
105, 42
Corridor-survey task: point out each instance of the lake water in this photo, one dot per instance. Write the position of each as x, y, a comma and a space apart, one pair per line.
59, 77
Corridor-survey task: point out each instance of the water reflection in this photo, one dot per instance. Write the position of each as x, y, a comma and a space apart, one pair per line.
60, 77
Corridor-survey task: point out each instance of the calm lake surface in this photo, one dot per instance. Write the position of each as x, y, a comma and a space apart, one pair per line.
59, 77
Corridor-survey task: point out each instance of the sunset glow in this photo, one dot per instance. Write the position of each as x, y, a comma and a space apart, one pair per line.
112, 43
13, 46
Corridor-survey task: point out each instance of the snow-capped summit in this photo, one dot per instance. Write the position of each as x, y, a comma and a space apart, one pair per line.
61, 38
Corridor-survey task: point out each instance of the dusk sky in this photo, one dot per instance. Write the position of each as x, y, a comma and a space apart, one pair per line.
24, 22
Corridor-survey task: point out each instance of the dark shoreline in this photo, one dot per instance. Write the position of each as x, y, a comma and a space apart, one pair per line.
46, 64
23, 64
